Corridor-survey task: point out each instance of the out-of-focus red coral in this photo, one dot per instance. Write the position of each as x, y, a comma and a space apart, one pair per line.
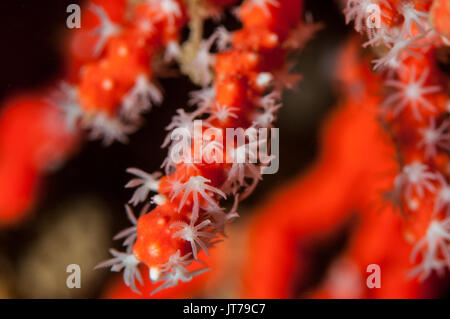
344, 180
384, 160
33, 140
356, 166
439, 13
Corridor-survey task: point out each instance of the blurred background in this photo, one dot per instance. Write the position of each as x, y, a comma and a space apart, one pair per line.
80, 205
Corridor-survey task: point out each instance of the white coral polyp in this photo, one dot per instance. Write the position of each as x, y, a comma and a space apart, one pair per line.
66, 98
359, 11
435, 137
129, 263
175, 271
220, 218
140, 98
434, 248
182, 120
168, 9
399, 48
107, 128
418, 178
145, 184
223, 112
196, 235
411, 94
242, 174
105, 30
172, 52
266, 116
197, 187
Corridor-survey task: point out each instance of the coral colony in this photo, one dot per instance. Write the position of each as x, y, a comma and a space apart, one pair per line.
415, 109
240, 90
387, 145
384, 156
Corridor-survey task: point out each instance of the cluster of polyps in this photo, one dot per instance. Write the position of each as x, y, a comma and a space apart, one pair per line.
112, 77
244, 92
407, 40
108, 85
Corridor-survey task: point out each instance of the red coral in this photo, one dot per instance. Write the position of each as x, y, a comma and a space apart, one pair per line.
33, 140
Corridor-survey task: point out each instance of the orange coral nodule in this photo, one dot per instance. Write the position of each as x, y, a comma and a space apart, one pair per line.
155, 243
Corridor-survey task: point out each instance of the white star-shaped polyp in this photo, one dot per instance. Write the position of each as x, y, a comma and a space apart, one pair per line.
173, 271
434, 137
267, 115
411, 93
172, 52
110, 129
183, 122
129, 263
399, 48
244, 167
413, 17
434, 248
196, 185
66, 98
170, 9
129, 234
359, 11
223, 112
145, 184
417, 178
222, 218
140, 99
175, 260
105, 30
196, 235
